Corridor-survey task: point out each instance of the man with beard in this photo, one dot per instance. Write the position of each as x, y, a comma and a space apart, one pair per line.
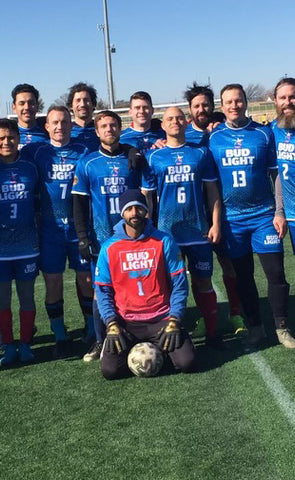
244, 153
142, 290
284, 132
201, 107
100, 178
82, 101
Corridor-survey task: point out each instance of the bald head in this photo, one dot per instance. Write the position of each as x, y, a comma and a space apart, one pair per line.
174, 124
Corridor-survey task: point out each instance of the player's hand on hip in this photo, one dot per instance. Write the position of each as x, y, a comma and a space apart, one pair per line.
115, 341
170, 336
281, 226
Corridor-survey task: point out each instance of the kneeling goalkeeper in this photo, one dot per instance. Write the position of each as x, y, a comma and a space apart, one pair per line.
141, 290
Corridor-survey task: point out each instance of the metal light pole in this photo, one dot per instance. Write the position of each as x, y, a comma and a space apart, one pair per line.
108, 50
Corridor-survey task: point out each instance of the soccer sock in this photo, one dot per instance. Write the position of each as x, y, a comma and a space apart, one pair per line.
207, 303
55, 312
230, 284
27, 320
98, 325
86, 307
6, 325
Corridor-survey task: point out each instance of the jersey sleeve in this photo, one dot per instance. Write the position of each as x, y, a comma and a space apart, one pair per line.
148, 180
148, 175
81, 179
103, 287
271, 151
209, 172
176, 269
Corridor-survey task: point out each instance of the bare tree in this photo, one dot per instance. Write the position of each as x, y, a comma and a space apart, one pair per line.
61, 100
122, 103
41, 105
101, 105
255, 92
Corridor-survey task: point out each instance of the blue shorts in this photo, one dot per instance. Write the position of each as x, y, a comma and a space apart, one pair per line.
22, 269
291, 226
200, 259
54, 254
253, 235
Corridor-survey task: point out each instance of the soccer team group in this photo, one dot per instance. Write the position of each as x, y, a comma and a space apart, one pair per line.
126, 208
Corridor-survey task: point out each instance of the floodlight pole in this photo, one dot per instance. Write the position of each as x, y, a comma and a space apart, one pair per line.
108, 56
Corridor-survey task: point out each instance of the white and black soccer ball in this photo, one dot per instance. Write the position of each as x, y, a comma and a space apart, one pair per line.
145, 360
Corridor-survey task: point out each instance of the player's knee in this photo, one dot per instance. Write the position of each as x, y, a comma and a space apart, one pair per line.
110, 372
111, 368
203, 284
184, 359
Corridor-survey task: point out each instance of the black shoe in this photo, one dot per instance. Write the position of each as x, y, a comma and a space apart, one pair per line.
93, 353
62, 349
216, 343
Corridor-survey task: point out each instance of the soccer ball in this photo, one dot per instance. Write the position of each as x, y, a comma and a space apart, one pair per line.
145, 360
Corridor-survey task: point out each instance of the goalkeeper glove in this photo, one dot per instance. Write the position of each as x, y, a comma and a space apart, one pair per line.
170, 336
85, 249
115, 341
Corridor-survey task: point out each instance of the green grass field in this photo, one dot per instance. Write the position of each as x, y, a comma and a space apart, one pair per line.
234, 419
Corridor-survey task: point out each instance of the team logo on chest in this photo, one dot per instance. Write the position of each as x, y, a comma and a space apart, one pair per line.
138, 261
14, 188
115, 170
28, 138
178, 159
238, 155
288, 137
238, 142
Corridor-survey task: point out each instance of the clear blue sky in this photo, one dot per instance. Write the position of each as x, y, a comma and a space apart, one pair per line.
162, 45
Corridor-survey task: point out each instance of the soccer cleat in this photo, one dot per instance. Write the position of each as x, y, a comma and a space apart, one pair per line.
10, 354
255, 334
285, 337
238, 325
25, 353
62, 349
93, 353
200, 330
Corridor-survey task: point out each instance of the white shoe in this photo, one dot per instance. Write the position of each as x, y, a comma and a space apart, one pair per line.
285, 337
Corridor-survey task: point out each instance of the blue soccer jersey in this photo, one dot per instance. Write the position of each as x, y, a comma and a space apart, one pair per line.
56, 167
198, 137
243, 157
141, 140
285, 146
104, 178
31, 135
179, 174
18, 187
86, 136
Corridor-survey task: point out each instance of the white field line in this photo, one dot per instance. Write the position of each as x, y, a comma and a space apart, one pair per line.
280, 394
274, 385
